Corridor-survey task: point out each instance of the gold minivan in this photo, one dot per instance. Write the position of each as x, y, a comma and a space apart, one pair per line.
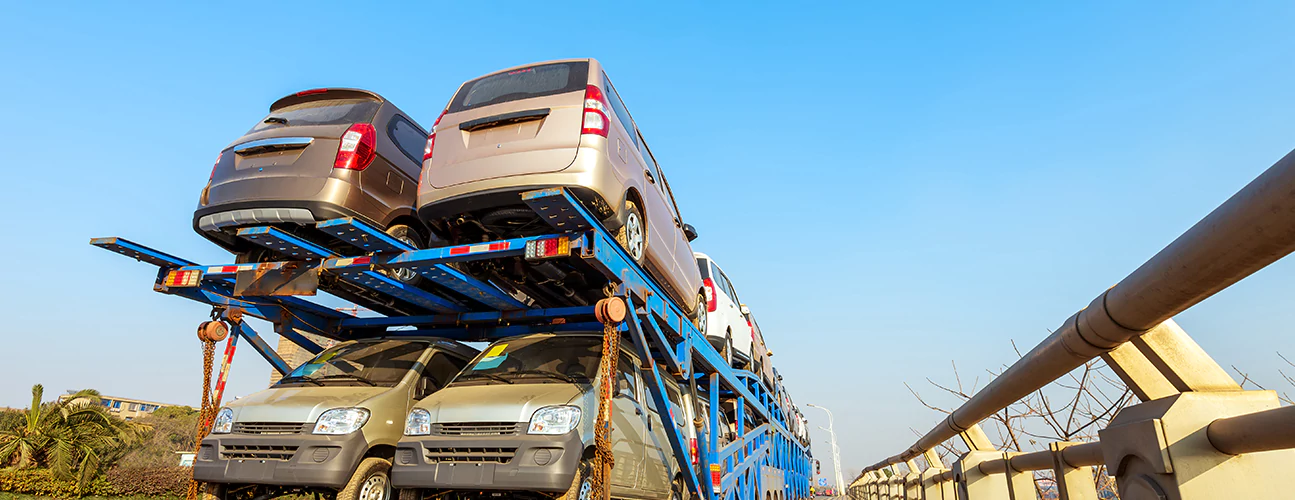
558, 123
520, 418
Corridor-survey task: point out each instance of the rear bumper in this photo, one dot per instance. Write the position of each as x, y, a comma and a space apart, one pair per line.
528, 469
317, 460
215, 222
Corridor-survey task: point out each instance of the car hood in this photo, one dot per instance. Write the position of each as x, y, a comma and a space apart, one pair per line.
497, 402
299, 404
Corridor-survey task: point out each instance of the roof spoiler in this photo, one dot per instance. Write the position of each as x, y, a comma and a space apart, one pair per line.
325, 93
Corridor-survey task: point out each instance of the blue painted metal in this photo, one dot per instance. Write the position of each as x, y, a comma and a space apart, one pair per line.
659, 328
263, 348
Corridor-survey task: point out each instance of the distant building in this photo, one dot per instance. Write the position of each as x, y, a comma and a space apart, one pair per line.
294, 355
125, 408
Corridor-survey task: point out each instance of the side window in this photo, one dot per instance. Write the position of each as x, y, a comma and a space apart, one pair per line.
626, 382
622, 114
409, 139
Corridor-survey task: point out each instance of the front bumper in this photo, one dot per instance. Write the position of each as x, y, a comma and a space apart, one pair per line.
539, 463
293, 460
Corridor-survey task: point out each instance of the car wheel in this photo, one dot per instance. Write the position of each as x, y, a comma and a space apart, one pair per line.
677, 489
728, 348
254, 256
633, 234
409, 494
408, 236
582, 485
371, 481
700, 322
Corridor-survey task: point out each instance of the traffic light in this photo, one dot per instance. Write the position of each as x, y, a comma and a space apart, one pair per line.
818, 467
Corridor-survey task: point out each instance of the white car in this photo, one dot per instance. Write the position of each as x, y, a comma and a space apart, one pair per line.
726, 327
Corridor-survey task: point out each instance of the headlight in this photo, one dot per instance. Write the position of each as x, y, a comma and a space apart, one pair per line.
339, 421
224, 421
554, 420
418, 423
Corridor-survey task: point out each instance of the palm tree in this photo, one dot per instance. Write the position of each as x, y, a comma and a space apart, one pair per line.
73, 437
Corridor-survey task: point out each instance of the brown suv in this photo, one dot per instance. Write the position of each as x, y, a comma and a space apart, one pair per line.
558, 123
320, 154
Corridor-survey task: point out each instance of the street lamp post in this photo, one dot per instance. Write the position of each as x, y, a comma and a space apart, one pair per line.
836, 451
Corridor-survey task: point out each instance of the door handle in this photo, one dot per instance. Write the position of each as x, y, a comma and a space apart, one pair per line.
648, 174
677, 223
638, 411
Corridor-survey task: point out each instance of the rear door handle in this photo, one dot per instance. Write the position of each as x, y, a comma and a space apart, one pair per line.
648, 174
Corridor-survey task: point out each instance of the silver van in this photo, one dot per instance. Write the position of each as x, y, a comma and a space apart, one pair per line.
330, 426
521, 418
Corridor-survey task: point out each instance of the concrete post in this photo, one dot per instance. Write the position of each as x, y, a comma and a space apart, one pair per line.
974, 484
1161, 450
1020, 484
912, 482
1073, 483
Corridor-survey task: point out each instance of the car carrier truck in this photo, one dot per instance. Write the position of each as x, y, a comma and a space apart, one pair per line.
761, 460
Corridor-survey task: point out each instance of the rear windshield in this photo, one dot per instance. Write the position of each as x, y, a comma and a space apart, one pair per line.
704, 267
321, 112
536, 359
523, 83
369, 363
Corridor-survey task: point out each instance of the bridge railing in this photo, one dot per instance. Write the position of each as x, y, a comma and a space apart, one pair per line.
1196, 434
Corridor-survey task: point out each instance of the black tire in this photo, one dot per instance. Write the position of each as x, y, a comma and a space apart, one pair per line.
371, 481
413, 238
409, 494
700, 320
633, 233
727, 352
678, 490
582, 484
254, 256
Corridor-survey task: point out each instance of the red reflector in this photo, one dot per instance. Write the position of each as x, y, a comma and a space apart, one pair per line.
362, 260
311, 92
459, 250
495, 247
358, 147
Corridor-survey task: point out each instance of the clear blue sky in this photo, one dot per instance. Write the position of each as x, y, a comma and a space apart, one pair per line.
890, 186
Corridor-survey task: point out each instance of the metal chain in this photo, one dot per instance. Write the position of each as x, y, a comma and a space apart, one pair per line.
603, 458
207, 412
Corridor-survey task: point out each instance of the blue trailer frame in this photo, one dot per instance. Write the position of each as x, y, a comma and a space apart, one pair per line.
458, 306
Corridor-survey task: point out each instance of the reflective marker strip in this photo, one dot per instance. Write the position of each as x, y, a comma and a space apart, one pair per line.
350, 261
230, 269
483, 247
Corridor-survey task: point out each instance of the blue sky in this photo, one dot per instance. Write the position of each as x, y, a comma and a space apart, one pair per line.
890, 186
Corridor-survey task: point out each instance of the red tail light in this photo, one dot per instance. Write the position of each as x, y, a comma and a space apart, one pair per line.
358, 147
431, 138
710, 294
595, 119
692, 449
311, 92
214, 165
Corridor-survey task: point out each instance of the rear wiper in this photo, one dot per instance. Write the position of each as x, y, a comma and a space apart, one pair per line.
549, 374
300, 378
276, 119
348, 377
486, 375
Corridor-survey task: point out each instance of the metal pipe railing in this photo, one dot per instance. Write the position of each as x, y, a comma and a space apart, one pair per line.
1253, 228
1260, 431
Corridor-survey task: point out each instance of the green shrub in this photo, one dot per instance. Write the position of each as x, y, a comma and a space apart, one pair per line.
42, 482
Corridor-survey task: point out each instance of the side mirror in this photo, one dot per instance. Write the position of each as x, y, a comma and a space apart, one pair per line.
689, 232
745, 310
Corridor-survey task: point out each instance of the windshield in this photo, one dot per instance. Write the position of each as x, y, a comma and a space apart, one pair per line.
522, 83
321, 112
380, 363
536, 359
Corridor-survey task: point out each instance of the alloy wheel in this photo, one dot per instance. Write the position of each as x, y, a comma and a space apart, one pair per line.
634, 236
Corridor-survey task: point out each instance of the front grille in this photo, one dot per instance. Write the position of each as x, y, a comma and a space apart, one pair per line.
477, 429
470, 455
257, 452
270, 428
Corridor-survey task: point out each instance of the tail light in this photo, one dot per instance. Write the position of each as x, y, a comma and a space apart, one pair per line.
431, 138
710, 294
595, 119
692, 449
548, 248
214, 165
358, 147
